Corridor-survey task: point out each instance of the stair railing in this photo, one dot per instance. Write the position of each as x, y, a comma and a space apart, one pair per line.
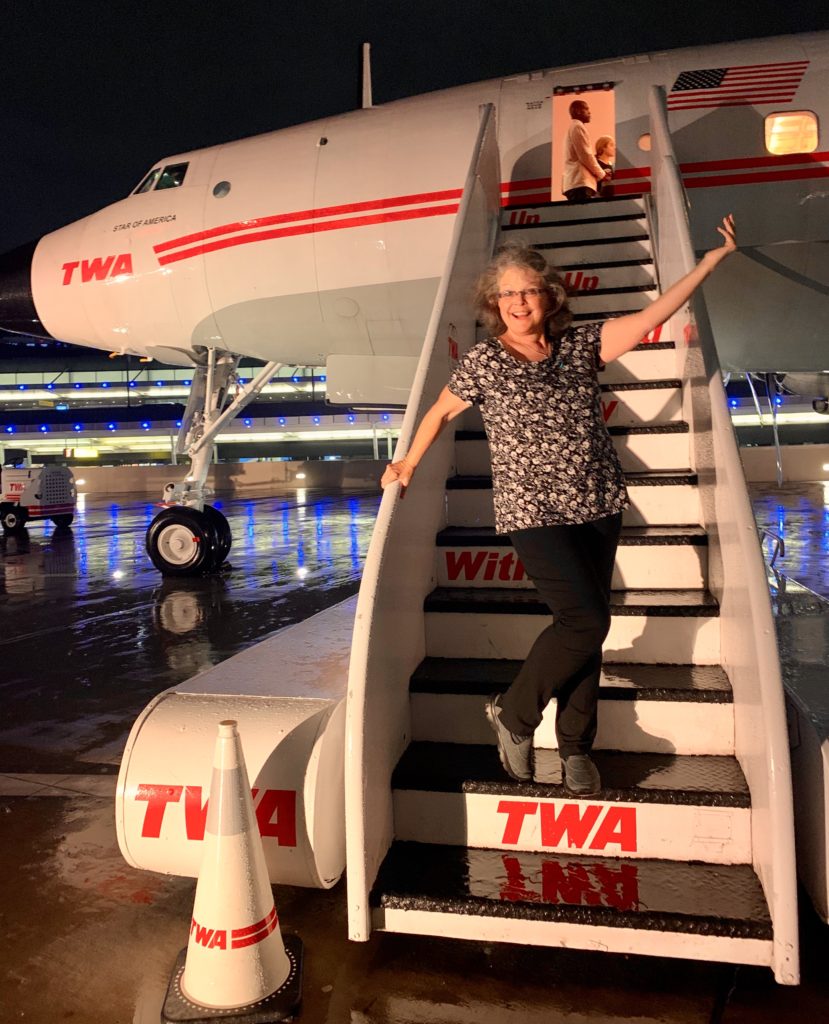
736, 569
389, 627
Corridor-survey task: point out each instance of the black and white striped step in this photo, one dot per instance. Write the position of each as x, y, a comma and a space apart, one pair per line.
656, 499
602, 303
561, 212
657, 447
651, 907
667, 709
470, 557
668, 806
593, 278
654, 361
676, 627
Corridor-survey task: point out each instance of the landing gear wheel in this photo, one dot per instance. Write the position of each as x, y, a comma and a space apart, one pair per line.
14, 519
223, 535
821, 405
63, 521
182, 541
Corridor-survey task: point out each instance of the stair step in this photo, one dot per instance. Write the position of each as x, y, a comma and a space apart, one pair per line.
573, 253
650, 626
469, 556
563, 232
670, 806
681, 709
517, 214
663, 446
656, 499
599, 279
646, 906
621, 300
652, 361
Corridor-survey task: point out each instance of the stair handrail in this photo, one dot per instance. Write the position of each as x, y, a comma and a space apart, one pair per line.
389, 627
736, 568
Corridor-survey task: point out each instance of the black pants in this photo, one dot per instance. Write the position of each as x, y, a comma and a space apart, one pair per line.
571, 567
581, 194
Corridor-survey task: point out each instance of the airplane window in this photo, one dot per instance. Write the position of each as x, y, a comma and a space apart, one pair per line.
172, 176
149, 181
794, 131
644, 142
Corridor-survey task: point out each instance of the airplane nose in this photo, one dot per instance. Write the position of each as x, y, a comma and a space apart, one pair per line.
17, 304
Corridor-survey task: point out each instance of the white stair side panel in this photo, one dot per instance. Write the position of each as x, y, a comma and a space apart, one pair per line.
637, 453
675, 504
523, 215
652, 640
587, 303
665, 831
642, 726
638, 567
560, 935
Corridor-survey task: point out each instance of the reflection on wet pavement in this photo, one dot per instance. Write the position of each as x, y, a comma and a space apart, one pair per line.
91, 631
799, 513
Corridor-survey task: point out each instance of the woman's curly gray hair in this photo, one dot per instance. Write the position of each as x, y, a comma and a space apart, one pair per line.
558, 317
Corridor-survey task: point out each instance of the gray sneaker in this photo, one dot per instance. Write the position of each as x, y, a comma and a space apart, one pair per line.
515, 751
581, 776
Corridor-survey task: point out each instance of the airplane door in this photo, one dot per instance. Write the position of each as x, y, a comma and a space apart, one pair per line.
602, 103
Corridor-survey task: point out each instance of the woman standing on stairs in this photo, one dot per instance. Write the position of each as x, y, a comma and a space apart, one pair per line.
557, 483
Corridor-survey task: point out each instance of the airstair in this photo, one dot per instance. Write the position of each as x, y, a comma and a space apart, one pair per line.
687, 851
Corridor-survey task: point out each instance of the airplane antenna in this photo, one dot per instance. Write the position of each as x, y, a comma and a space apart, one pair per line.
367, 76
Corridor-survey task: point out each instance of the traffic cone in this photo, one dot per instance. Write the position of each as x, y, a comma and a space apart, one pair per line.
236, 966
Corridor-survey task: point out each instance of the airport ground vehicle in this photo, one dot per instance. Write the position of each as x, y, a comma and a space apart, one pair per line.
38, 492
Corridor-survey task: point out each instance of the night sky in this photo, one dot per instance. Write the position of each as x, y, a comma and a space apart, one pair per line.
92, 94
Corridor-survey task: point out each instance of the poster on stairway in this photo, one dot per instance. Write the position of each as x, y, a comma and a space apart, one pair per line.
601, 101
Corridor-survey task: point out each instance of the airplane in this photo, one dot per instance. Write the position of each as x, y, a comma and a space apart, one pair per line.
324, 243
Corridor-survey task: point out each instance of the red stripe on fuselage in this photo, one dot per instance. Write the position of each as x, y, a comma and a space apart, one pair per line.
306, 229
325, 211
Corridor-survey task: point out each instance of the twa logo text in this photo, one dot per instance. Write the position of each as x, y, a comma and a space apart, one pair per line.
97, 269
570, 825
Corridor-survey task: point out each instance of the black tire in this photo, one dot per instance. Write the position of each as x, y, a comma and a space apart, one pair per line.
181, 541
821, 405
223, 534
63, 521
14, 519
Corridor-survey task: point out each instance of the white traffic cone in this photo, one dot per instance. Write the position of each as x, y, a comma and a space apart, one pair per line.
235, 959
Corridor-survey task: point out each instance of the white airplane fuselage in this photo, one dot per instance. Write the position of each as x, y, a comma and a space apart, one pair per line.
330, 237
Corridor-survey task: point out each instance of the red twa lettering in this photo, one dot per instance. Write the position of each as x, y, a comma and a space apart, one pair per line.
95, 270
157, 798
282, 803
569, 822
608, 408
653, 337
617, 829
516, 811
210, 938
99, 268
572, 824
275, 812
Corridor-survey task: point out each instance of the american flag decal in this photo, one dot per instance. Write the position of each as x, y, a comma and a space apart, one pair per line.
749, 85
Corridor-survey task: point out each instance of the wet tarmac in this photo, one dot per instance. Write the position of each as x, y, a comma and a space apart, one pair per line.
89, 635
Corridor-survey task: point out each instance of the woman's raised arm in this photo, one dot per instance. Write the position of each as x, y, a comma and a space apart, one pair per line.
623, 333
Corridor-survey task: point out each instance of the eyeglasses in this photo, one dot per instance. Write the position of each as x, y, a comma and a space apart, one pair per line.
533, 293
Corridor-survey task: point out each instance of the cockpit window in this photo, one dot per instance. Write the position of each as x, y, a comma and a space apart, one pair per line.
149, 181
172, 176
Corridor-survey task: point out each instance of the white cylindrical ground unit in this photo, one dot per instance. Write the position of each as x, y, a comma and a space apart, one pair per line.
293, 748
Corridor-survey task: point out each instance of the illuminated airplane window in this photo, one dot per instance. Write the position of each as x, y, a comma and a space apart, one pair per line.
172, 176
795, 131
149, 181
